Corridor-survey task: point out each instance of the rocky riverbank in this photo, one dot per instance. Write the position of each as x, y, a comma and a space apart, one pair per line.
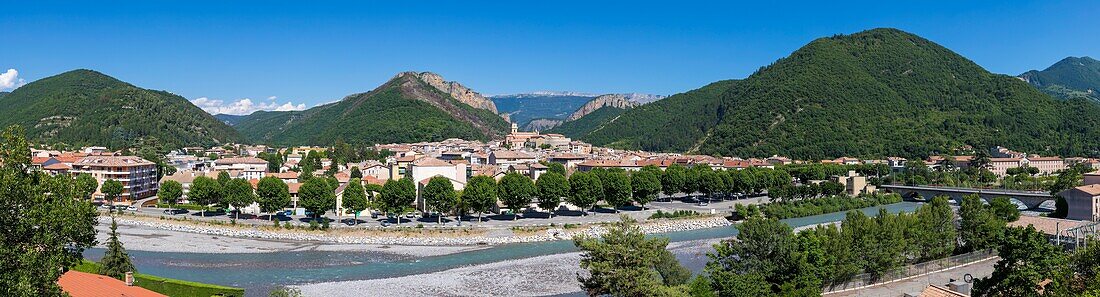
492, 237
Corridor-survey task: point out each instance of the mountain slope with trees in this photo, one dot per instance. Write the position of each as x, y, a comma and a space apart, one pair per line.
85, 107
1071, 77
877, 93
404, 109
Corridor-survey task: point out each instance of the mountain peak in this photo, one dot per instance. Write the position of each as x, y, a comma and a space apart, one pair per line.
455, 89
607, 100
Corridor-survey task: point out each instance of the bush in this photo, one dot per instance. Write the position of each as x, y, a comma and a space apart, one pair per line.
823, 205
672, 215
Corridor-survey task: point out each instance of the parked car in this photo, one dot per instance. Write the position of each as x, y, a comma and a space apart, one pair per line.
131, 208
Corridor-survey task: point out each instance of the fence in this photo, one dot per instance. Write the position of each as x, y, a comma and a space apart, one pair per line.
868, 279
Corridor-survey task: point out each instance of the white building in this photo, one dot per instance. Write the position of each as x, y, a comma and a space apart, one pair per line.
244, 167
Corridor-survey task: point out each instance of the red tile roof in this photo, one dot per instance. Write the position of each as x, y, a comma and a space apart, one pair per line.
81, 284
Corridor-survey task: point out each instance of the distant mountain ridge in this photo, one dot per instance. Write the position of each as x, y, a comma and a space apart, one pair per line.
609, 100
1072, 77
85, 107
404, 109
455, 89
876, 93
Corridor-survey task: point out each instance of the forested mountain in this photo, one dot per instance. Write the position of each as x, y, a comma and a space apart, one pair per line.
404, 109
1071, 77
2, 94
84, 107
230, 119
676, 121
876, 93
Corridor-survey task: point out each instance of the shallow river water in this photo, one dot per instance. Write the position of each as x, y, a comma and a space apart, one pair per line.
259, 272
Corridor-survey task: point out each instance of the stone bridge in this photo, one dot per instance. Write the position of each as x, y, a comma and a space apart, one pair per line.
923, 193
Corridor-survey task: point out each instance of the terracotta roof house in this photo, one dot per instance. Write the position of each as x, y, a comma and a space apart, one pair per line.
82, 284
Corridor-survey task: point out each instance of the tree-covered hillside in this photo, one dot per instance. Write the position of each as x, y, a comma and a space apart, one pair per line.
84, 107
670, 124
405, 109
876, 93
1071, 77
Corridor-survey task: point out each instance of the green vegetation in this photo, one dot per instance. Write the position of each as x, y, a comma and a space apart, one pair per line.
624, 262
823, 205
439, 194
396, 195
46, 224
480, 194
876, 93
673, 215
115, 262
405, 109
84, 107
170, 287
551, 187
516, 191
590, 122
1071, 77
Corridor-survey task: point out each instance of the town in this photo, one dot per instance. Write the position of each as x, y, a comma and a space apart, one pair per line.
697, 149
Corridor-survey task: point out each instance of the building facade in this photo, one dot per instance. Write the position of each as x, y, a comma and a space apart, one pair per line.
138, 176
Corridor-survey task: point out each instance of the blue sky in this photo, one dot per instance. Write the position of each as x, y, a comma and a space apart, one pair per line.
321, 51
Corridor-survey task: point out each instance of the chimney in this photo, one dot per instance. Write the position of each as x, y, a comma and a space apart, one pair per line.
129, 278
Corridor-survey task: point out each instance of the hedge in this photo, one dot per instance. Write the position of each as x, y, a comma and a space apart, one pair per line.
168, 286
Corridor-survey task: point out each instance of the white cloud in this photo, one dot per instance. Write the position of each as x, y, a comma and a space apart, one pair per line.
243, 106
272, 98
10, 80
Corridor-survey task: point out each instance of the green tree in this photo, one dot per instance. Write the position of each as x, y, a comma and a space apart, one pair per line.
85, 185
616, 186
555, 168
439, 194
709, 182
765, 249
480, 194
584, 190
317, 197
1027, 260
516, 191
935, 228
238, 193
551, 187
116, 262
646, 184
672, 273
112, 190
285, 292
170, 192
1004, 209
355, 173
673, 179
44, 227
355, 198
396, 196
1061, 208
622, 261
979, 227
223, 178
204, 192
273, 195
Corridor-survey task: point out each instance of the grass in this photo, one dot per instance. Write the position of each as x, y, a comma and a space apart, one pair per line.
168, 286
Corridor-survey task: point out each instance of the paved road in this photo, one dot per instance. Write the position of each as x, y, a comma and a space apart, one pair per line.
917, 284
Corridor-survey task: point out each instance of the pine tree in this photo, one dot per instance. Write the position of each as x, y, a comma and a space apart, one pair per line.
115, 262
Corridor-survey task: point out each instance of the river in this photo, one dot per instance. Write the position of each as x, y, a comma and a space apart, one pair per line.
259, 272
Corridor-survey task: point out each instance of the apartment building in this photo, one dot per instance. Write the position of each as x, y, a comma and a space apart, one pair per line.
138, 176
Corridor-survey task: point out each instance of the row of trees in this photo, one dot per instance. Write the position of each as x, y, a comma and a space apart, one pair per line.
768, 258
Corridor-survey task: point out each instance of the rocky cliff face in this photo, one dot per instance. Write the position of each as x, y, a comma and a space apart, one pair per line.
541, 124
455, 89
612, 100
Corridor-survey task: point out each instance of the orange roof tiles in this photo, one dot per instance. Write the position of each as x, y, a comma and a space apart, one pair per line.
82, 284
